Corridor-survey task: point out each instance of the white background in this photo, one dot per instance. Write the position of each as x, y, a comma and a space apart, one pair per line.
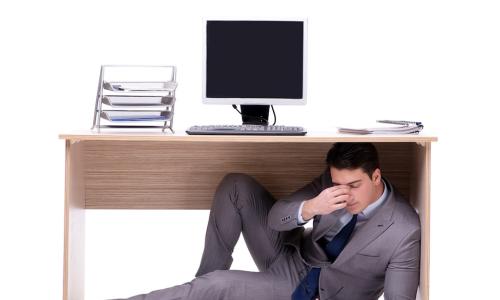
435, 61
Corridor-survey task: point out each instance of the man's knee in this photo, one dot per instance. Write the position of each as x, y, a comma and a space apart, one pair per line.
240, 188
241, 181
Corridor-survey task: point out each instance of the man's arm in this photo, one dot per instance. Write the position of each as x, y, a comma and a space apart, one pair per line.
403, 273
283, 214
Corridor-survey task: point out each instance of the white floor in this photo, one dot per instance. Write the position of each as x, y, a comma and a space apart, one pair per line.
130, 252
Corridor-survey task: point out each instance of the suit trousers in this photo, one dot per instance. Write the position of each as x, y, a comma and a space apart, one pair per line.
240, 206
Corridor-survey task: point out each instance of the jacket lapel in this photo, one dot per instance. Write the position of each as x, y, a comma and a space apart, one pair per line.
326, 224
371, 230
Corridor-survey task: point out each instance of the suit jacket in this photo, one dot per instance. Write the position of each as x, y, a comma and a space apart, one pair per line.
383, 255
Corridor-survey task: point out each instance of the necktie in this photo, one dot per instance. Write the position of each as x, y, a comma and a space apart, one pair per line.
308, 287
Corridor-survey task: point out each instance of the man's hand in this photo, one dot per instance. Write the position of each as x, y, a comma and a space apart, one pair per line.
328, 201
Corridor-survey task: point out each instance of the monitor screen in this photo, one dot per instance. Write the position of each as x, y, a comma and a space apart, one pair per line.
255, 62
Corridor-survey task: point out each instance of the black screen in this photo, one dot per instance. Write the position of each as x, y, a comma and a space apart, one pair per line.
254, 59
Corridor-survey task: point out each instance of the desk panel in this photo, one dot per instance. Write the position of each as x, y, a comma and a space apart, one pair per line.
180, 175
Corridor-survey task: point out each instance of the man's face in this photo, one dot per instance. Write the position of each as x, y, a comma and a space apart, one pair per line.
363, 189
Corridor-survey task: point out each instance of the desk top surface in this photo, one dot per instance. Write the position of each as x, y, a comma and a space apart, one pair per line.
314, 137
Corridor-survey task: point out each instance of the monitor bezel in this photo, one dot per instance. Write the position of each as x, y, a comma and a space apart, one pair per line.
256, 101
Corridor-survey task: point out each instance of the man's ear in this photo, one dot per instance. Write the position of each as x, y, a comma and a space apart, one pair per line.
377, 176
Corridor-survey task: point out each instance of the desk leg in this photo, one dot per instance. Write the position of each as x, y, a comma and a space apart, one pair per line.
420, 197
74, 223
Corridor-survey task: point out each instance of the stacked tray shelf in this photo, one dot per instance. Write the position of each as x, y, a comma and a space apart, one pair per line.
135, 104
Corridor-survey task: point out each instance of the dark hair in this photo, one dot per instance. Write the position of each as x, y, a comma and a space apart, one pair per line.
353, 156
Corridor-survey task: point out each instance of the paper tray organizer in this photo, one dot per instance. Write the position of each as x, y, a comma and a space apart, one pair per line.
135, 103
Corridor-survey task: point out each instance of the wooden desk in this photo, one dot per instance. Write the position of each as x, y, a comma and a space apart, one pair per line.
158, 171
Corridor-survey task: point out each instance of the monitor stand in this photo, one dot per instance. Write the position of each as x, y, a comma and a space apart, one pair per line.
255, 114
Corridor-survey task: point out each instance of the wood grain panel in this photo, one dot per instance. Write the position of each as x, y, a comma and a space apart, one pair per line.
184, 175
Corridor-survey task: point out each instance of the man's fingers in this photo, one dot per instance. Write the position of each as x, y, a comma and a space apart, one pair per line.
339, 199
337, 187
339, 191
338, 206
340, 186
335, 198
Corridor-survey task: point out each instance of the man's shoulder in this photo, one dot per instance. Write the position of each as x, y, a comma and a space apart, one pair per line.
404, 213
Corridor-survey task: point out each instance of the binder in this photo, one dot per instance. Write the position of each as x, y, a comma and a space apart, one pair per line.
386, 127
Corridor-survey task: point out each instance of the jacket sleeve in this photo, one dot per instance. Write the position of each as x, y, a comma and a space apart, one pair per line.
284, 213
403, 272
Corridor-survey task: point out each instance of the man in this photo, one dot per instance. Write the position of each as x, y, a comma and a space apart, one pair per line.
365, 238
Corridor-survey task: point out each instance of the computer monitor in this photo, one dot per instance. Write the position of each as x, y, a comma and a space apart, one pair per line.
255, 63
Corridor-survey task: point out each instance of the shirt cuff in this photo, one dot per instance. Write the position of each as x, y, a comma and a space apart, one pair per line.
301, 221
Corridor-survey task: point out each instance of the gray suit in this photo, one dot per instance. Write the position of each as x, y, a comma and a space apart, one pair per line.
382, 256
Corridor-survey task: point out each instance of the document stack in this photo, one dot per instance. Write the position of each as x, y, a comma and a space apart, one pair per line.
135, 97
386, 127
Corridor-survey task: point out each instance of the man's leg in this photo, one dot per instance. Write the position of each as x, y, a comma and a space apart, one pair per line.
240, 204
226, 285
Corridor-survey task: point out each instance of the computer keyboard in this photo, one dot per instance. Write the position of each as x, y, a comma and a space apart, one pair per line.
245, 130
